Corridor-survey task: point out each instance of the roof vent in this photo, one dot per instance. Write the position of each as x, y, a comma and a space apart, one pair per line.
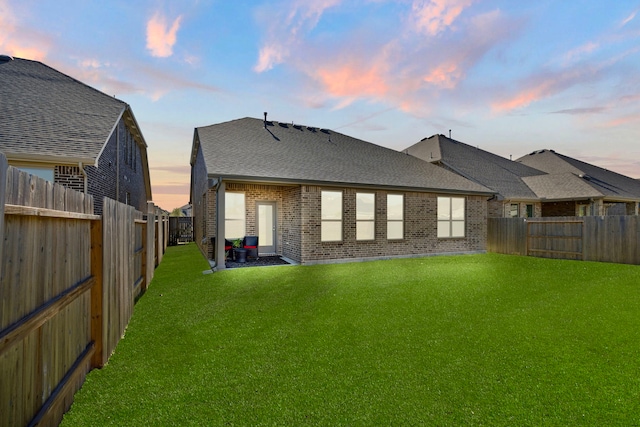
5, 58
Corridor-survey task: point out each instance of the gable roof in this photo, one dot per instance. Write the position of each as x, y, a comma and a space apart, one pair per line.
46, 115
608, 184
503, 176
254, 149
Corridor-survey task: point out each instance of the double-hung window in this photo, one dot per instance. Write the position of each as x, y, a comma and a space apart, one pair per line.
331, 216
234, 215
451, 222
395, 216
365, 216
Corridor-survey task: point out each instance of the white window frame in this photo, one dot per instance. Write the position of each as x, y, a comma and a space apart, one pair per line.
446, 220
230, 218
393, 219
365, 221
331, 216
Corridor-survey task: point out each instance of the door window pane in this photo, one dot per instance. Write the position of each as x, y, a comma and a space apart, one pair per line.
265, 225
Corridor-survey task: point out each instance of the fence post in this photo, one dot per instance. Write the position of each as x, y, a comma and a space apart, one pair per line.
3, 197
97, 306
143, 259
150, 247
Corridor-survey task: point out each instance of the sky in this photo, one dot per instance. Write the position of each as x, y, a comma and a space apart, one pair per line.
509, 77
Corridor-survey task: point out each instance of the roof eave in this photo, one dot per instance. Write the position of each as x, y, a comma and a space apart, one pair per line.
293, 182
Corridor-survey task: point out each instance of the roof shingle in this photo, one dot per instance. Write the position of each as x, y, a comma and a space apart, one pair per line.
44, 112
245, 148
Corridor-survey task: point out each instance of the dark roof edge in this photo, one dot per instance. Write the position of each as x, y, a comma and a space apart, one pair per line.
290, 182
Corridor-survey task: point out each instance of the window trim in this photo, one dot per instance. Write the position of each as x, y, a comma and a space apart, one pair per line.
332, 220
401, 221
451, 221
361, 221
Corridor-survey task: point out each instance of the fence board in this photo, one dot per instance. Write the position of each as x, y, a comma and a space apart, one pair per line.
602, 238
66, 291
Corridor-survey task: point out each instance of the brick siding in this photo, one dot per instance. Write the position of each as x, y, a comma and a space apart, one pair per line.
299, 227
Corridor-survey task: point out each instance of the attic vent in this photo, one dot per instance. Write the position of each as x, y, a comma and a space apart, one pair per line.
297, 127
5, 58
325, 131
312, 129
284, 125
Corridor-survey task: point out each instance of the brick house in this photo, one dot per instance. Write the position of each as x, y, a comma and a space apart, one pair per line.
541, 184
316, 196
64, 131
575, 188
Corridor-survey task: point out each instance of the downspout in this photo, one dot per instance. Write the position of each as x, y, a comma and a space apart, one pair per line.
84, 174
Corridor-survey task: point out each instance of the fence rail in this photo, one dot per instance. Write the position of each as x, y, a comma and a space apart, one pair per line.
592, 238
68, 283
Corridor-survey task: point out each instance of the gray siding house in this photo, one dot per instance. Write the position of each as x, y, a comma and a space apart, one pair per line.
60, 129
316, 196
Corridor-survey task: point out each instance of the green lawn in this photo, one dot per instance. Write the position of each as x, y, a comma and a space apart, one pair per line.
456, 340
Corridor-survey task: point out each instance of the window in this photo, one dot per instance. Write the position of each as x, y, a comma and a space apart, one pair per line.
395, 216
451, 217
331, 216
529, 211
234, 215
513, 210
365, 216
583, 210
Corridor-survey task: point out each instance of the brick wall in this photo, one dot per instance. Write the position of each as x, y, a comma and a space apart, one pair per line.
298, 224
420, 228
70, 177
121, 152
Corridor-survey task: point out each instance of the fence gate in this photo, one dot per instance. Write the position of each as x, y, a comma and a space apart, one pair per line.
560, 239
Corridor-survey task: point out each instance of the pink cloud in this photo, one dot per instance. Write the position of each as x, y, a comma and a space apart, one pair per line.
286, 31
623, 120
31, 44
353, 80
434, 16
444, 75
160, 36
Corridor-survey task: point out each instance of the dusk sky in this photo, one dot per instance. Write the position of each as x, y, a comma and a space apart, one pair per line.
507, 76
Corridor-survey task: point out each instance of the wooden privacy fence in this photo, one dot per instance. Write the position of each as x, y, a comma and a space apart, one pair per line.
591, 238
68, 283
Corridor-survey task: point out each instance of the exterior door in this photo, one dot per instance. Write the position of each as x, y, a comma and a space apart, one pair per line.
266, 227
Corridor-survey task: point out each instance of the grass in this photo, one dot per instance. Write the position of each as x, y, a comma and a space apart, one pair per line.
457, 340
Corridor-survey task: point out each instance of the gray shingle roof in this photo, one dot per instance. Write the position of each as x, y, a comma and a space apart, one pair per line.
495, 172
561, 186
46, 113
243, 148
611, 185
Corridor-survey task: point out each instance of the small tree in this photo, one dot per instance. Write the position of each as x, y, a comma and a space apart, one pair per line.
176, 212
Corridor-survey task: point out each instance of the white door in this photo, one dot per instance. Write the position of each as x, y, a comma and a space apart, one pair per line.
266, 227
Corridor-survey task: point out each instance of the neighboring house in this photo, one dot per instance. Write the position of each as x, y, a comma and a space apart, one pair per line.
573, 187
186, 210
60, 129
541, 184
315, 196
507, 178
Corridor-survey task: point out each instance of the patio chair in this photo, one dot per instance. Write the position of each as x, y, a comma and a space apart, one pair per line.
250, 243
227, 248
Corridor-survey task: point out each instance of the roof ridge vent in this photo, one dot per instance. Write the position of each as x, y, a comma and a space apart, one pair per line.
5, 58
